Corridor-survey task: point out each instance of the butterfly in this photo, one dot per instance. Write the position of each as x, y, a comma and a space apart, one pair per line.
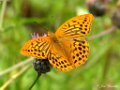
65, 49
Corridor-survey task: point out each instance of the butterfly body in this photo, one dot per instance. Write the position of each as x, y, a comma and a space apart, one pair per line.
66, 48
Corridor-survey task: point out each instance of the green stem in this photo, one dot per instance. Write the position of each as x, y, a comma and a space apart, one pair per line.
2, 13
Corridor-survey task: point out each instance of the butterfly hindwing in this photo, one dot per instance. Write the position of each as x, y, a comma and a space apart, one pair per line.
58, 59
60, 63
79, 51
76, 26
37, 47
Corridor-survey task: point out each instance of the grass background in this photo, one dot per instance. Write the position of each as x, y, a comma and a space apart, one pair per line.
24, 17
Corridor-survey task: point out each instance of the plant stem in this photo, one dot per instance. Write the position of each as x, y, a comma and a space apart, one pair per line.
101, 34
8, 82
21, 64
2, 14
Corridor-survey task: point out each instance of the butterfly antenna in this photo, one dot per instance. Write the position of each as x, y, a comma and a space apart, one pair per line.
39, 74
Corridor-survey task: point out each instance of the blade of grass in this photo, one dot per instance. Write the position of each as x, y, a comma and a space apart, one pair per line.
4, 4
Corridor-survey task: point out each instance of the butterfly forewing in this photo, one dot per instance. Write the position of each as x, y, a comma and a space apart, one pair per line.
75, 27
37, 47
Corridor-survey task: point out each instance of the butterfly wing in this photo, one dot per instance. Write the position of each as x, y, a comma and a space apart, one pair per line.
37, 47
58, 59
79, 51
75, 27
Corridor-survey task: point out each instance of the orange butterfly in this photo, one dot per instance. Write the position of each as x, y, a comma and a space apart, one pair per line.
66, 48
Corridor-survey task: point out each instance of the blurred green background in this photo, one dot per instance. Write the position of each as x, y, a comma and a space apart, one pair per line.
24, 17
